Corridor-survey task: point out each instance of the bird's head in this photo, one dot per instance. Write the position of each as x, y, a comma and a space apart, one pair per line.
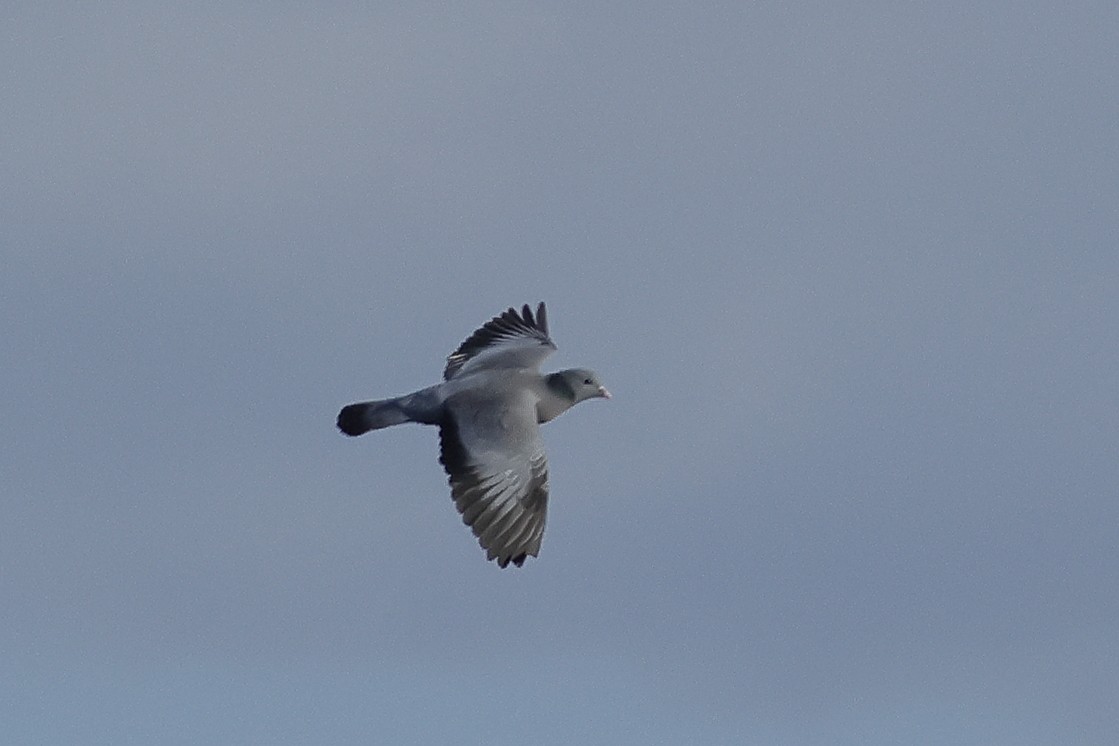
584, 384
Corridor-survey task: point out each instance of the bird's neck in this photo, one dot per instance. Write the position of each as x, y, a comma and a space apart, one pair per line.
559, 398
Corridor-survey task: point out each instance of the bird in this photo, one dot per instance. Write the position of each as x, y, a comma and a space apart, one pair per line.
489, 409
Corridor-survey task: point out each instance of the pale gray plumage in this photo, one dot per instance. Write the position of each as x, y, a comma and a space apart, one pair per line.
488, 409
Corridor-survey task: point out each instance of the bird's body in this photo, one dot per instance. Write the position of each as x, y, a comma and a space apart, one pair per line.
488, 410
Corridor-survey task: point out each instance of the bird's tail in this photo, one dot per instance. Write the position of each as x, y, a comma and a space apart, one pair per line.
421, 406
356, 419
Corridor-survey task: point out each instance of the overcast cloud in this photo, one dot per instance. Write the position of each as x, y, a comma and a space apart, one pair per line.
850, 272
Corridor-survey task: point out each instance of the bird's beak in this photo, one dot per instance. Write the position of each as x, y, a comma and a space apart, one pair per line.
603, 392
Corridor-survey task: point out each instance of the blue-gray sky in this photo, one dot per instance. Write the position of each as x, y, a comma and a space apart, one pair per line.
850, 271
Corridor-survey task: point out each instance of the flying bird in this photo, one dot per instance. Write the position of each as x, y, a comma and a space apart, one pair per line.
489, 408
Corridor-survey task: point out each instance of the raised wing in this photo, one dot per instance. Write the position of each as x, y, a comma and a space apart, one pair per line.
498, 472
511, 340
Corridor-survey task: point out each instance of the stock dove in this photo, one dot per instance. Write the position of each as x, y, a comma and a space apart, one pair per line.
488, 409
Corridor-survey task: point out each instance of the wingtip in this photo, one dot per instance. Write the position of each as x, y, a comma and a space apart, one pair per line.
536, 320
517, 560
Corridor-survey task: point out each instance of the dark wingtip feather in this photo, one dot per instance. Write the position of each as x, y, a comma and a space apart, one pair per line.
542, 317
518, 560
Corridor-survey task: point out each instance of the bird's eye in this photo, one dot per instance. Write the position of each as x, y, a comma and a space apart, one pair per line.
588, 381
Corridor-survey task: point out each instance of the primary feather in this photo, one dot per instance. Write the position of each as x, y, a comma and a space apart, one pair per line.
510, 340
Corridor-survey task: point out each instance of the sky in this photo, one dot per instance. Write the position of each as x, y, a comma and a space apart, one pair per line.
849, 270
